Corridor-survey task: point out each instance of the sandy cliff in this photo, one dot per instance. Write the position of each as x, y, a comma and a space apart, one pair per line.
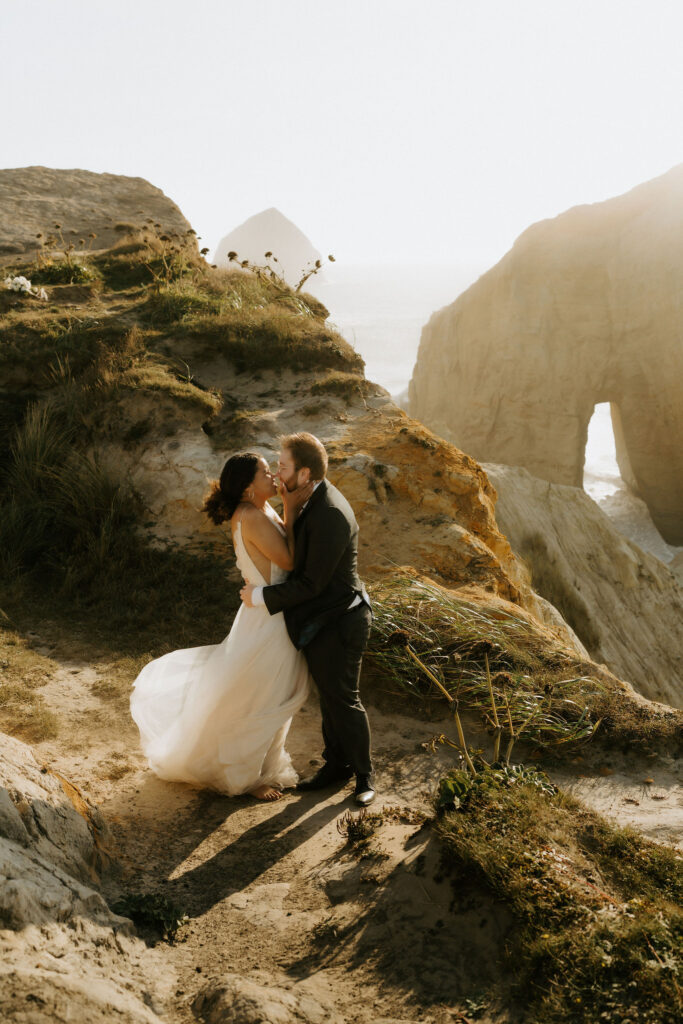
585, 308
34, 199
625, 605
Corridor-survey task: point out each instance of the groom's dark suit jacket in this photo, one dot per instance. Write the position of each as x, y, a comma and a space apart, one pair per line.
325, 578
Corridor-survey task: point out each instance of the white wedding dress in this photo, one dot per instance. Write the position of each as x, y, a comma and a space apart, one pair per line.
218, 716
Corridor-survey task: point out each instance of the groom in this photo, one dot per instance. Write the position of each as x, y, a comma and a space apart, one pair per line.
327, 613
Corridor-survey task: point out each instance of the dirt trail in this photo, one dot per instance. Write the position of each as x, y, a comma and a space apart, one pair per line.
274, 893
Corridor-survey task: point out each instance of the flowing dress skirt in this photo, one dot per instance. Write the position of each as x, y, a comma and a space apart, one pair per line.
218, 716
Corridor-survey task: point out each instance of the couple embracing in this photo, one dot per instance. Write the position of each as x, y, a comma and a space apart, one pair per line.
218, 716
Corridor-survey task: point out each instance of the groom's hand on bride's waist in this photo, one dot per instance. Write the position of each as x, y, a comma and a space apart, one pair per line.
252, 596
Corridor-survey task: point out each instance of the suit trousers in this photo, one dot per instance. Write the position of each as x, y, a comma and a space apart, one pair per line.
334, 658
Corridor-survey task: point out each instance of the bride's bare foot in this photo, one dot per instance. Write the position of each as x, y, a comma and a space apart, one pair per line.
266, 793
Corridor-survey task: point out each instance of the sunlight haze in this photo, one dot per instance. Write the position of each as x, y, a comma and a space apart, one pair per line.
387, 131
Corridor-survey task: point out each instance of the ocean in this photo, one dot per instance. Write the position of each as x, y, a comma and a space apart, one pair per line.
381, 310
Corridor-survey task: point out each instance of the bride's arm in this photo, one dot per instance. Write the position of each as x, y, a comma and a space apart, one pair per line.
260, 531
293, 502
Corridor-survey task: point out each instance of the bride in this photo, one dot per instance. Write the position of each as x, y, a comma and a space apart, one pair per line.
218, 716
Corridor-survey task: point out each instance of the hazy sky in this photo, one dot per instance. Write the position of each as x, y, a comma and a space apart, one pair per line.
432, 130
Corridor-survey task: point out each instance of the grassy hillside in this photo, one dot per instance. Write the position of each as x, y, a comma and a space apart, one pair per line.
112, 354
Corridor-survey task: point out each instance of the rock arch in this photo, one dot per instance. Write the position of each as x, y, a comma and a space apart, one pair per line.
585, 308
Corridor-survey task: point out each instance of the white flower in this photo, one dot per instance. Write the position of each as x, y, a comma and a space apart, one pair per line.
22, 284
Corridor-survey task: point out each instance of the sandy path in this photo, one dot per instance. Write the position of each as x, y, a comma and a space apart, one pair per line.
274, 893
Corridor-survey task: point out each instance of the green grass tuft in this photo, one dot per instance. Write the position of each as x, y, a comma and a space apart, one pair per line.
598, 926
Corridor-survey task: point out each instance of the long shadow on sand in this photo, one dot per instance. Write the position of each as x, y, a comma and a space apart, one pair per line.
246, 856
160, 828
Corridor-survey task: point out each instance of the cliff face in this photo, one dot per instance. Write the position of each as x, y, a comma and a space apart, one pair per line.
625, 605
584, 309
34, 199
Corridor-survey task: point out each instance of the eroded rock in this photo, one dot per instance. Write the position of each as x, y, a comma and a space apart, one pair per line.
584, 309
34, 199
625, 605
64, 956
256, 1000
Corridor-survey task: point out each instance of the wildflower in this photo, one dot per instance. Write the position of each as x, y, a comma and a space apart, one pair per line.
204, 251
23, 285
268, 255
331, 259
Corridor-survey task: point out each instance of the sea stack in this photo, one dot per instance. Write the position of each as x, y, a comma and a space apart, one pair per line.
270, 232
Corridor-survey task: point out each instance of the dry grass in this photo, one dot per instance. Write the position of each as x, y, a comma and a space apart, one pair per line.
504, 668
273, 338
23, 672
343, 385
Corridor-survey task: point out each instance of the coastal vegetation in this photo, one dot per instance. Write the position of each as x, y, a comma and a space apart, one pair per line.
596, 924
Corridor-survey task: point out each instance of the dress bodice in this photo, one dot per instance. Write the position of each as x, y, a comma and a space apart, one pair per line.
249, 571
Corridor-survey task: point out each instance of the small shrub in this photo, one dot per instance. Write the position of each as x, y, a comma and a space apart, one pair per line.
179, 300
358, 828
64, 272
153, 911
346, 385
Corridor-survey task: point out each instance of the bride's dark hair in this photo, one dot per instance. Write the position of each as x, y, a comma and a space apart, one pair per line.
226, 494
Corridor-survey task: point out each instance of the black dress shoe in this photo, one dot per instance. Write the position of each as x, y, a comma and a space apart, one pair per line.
364, 793
324, 777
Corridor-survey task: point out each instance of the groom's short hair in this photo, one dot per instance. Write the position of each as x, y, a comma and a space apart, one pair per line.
307, 451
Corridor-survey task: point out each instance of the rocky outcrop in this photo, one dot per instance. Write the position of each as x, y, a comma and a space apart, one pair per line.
252, 1000
419, 501
63, 954
269, 231
34, 199
624, 604
584, 309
